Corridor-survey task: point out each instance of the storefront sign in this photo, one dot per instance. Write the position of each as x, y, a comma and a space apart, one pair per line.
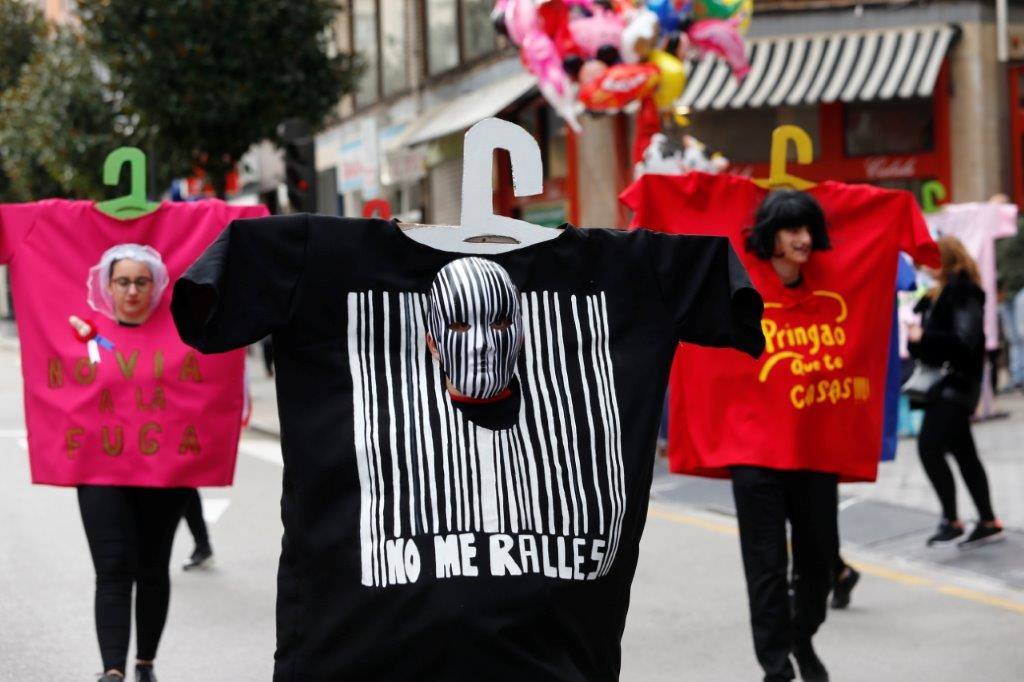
358, 159
883, 167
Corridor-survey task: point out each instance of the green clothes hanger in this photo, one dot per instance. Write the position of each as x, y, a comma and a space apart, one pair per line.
134, 204
932, 192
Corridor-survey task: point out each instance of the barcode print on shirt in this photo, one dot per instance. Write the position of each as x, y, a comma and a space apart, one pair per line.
425, 470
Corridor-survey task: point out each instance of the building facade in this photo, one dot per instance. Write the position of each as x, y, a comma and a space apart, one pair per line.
891, 93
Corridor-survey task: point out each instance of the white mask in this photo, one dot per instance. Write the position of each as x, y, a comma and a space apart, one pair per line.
477, 325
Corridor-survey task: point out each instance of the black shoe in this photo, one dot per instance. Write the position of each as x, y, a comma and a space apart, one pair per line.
947, 532
110, 677
843, 587
202, 556
144, 673
810, 666
982, 535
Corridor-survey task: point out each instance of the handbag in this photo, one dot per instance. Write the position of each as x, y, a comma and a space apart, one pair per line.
923, 380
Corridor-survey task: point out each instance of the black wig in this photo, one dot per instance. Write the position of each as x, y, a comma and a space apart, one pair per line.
785, 209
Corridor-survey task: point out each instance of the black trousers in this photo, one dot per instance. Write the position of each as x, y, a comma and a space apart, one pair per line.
947, 429
130, 533
194, 519
765, 500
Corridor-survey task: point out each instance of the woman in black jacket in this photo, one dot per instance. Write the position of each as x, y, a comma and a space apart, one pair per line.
952, 337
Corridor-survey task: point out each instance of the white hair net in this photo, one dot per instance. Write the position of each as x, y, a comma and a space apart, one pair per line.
99, 297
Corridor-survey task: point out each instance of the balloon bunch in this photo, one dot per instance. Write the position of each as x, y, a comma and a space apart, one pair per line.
603, 55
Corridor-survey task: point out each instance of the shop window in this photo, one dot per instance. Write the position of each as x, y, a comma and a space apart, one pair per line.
380, 37
458, 31
442, 35
478, 35
364, 40
896, 127
742, 135
393, 47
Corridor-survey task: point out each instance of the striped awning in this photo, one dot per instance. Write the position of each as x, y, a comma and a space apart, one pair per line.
808, 69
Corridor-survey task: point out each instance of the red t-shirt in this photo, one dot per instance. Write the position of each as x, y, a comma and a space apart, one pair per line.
814, 400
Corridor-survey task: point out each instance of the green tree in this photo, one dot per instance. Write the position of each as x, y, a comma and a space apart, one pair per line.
60, 121
24, 32
213, 77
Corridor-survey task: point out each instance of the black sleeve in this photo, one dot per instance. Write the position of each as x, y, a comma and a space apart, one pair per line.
243, 286
960, 344
707, 292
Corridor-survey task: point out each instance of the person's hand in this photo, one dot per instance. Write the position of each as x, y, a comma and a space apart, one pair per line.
914, 333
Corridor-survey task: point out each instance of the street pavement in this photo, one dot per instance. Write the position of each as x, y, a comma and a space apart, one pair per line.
915, 615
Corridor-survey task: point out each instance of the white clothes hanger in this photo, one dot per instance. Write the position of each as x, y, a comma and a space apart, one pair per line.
478, 219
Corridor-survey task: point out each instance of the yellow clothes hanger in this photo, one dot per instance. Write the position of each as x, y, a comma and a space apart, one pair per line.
777, 174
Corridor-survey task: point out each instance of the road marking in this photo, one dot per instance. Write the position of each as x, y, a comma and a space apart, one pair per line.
883, 572
849, 502
706, 524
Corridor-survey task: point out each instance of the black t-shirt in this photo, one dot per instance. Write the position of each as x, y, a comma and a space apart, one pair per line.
418, 544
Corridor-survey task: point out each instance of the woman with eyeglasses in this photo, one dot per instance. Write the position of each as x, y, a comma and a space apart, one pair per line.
130, 530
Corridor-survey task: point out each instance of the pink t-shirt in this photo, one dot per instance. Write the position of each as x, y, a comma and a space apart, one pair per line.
152, 412
978, 226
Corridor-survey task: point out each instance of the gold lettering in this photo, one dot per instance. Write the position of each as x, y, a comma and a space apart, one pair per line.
127, 366
147, 445
56, 373
190, 368
117, 447
85, 371
158, 364
106, 401
189, 441
159, 400
71, 440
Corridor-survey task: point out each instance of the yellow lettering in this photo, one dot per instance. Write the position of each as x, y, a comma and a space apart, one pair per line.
158, 364
826, 336
812, 336
801, 336
768, 328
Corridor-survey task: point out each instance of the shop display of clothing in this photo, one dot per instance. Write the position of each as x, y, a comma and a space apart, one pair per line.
418, 542
824, 369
